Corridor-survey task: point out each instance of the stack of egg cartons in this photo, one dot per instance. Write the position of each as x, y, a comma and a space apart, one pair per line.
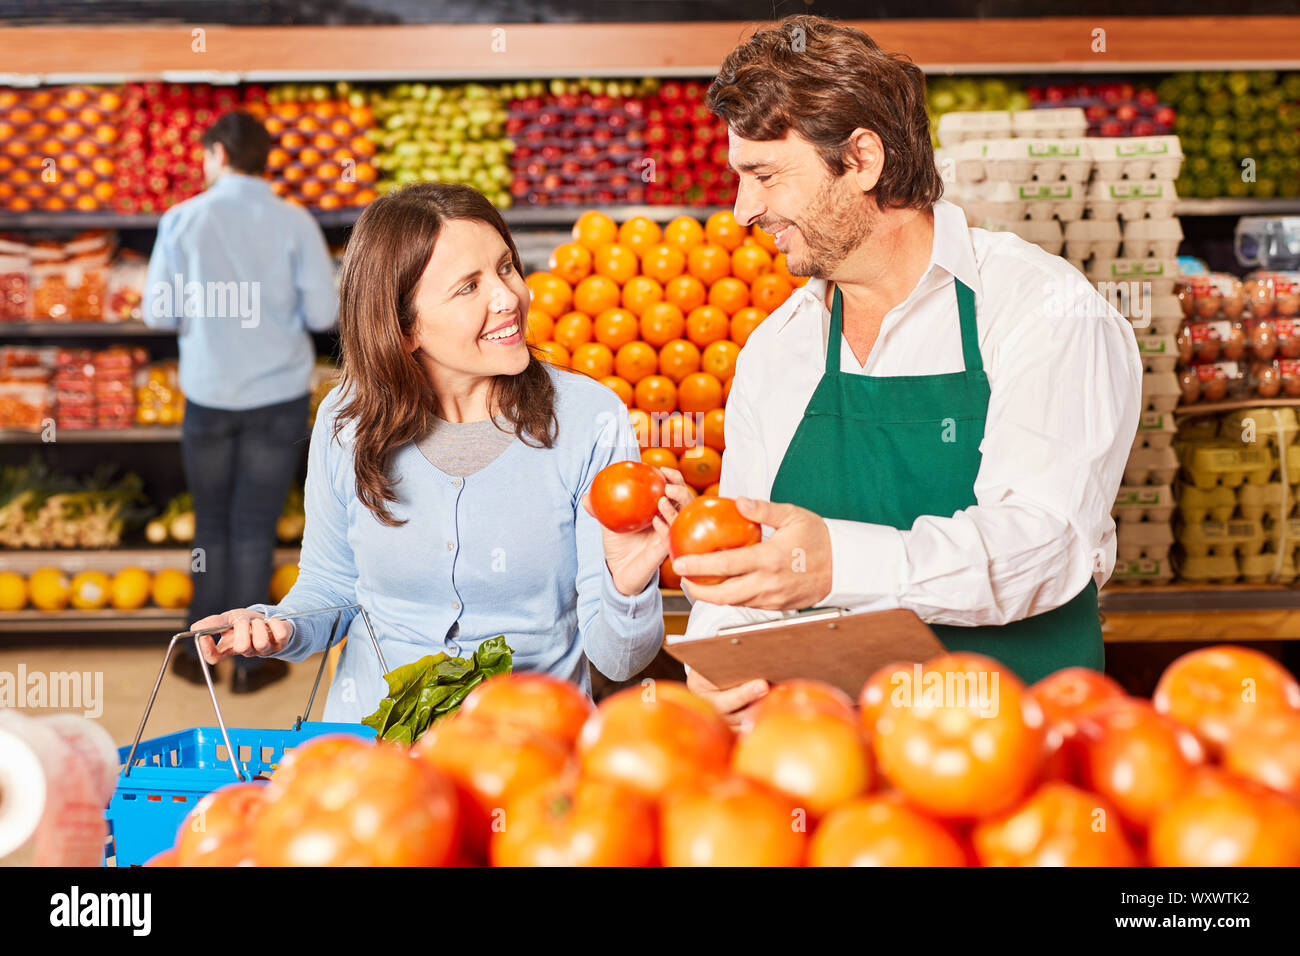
1107, 206
1237, 498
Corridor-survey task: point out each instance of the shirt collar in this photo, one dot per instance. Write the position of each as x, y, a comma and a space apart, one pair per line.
952, 252
231, 181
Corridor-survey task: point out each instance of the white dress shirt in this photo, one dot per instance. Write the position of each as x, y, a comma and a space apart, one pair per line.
1066, 382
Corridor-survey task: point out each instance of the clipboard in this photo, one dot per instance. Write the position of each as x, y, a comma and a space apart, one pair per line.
840, 647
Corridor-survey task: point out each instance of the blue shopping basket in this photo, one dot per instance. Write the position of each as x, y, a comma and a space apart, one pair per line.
163, 778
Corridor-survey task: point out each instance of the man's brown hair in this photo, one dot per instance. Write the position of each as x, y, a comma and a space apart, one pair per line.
824, 80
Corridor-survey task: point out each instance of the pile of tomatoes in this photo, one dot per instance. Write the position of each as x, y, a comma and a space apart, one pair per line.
950, 763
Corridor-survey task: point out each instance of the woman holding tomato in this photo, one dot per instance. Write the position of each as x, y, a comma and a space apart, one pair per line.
448, 474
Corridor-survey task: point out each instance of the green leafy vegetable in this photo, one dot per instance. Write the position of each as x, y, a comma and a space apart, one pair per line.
433, 687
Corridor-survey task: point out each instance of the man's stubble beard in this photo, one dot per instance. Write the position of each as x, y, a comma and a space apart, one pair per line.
838, 220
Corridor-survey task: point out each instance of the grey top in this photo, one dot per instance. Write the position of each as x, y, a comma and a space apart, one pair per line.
462, 448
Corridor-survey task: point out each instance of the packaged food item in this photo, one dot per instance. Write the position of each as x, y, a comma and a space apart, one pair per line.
1151, 466
15, 287
1144, 503
1261, 336
1219, 569
26, 398
1288, 337
126, 279
1218, 503
158, 395
1230, 463
1151, 237
1286, 289
1260, 294
1135, 541
87, 279
1155, 430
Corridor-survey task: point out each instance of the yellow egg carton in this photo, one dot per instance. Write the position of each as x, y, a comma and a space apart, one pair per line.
1222, 537
1216, 504
1271, 426
1199, 429
1265, 569
1219, 569
1136, 503
1143, 571
1225, 462
1257, 502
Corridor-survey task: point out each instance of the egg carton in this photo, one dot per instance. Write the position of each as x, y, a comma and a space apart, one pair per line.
1156, 570
1273, 426
1159, 352
962, 125
1222, 462
1066, 122
1086, 238
1019, 160
1161, 274
1011, 202
1136, 157
1166, 304
1155, 430
1268, 500
1160, 392
1143, 539
1130, 199
1219, 569
1044, 233
1206, 504
1151, 466
1235, 536
1155, 324
1136, 503
1265, 568
1151, 238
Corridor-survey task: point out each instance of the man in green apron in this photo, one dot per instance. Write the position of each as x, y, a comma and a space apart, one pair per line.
872, 490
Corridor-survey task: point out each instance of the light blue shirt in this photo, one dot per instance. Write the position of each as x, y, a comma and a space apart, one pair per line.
508, 550
244, 277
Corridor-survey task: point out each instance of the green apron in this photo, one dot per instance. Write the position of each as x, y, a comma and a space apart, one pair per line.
888, 449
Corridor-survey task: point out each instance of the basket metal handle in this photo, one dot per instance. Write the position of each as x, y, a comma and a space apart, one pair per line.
195, 635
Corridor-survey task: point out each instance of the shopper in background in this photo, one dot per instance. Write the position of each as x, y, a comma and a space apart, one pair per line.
939, 419
244, 278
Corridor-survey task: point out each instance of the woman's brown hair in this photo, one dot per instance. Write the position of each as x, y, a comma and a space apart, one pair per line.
824, 81
391, 400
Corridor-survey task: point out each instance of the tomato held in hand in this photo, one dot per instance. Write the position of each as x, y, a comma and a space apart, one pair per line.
1216, 690
1059, 825
572, 821
1221, 821
710, 524
217, 832
730, 822
963, 740
818, 759
625, 495
883, 831
538, 702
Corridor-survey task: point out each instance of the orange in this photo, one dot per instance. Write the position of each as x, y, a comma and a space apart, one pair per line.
677, 433
593, 359
571, 262
750, 262
729, 294
744, 322
768, 291
726, 389
551, 294
639, 234
655, 393
684, 232
764, 239
540, 327
701, 467
617, 327
635, 361
620, 387
555, 353
573, 329
709, 263
712, 429
719, 359
616, 261
686, 292
595, 294
663, 262
706, 325
700, 392
721, 229
661, 323
641, 425
593, 229
712, 491
678, 359
659, 457
640, 292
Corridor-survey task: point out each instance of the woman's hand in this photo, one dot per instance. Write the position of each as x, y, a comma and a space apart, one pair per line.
634, 558
250, 635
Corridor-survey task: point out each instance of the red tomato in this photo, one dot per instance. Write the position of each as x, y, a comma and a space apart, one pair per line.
877, 689
645, 740
1133, 756
1267, 751
964, 741
217, 831
800, 694
1062, 696
488, 763
817, 758
1220, 821
548, 705
679, 693
883, 831
572, 821
1218, 689
711, 524
1059, 825
356, 804
730, 822
668, 578
625, 495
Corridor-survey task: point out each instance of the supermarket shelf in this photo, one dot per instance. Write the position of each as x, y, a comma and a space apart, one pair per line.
1213, 408
91, 436
1186, 597
1237, 207
111, 560
146, 618
43, 330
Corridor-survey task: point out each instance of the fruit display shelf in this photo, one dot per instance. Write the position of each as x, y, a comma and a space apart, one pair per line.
76, 329
1213, 408
106, 620
144, 433
111, 560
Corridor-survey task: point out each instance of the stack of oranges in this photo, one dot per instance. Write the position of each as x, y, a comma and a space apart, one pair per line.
659, 315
